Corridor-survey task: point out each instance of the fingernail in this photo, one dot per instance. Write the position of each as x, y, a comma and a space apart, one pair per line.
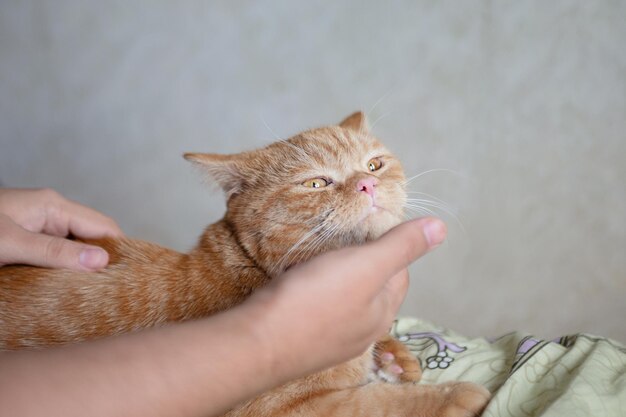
435, 232
93, 258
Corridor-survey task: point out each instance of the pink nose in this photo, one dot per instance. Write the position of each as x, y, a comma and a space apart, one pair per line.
367, 185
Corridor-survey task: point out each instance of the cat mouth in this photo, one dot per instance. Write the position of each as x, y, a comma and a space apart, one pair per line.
372, 210
372, 207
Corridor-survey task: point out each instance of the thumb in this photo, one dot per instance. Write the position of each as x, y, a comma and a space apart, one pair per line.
20, 246
395, 251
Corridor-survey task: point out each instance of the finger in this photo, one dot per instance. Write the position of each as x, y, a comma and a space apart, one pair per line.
407, 242
369, 267
85, 222
396, 290
50, 251
388, 301
381, 259
45, 210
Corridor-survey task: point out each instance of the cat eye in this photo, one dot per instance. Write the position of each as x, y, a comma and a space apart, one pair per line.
374, 164
316, 183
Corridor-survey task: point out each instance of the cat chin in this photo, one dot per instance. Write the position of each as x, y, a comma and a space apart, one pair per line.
379, 223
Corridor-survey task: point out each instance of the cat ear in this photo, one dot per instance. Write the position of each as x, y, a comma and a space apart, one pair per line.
224, 169
356, 121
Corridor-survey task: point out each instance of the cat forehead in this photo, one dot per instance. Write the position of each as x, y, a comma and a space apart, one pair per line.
334, 147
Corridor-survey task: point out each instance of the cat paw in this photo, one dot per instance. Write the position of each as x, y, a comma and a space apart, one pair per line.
463, 399
394, 362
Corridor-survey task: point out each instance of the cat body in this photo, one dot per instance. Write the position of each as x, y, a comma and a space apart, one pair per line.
320, 190
144, 285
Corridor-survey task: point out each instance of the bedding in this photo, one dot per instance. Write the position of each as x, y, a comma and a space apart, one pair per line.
576, 375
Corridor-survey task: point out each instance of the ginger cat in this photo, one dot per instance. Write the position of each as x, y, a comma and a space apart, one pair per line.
319, 190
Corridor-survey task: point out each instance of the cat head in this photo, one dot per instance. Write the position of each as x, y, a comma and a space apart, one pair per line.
322, 189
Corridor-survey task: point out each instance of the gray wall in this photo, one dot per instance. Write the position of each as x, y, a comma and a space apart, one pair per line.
524, 101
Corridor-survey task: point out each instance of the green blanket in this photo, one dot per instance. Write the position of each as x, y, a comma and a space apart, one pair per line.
579, 375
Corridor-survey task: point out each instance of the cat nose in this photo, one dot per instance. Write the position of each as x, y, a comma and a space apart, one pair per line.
367, 185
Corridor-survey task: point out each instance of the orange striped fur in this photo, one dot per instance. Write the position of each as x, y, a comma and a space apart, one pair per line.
275, 217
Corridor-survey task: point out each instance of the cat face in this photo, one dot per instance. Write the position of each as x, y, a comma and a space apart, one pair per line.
321, 189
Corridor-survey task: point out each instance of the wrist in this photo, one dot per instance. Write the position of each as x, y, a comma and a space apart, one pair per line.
260, 318
282, 335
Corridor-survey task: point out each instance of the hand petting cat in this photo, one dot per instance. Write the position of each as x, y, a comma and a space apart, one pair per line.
34, 225
300, 308
363, 286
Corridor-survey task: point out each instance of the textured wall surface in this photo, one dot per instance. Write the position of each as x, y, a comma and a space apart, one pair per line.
524, 101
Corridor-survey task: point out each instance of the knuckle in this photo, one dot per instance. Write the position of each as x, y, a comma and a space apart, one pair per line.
54, 250
48, 194
11, 240
51, 201
112, 224
414, 247
408, 250
403, 281
6, 225
53, 205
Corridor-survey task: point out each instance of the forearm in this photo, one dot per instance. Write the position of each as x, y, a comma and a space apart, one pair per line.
199, 368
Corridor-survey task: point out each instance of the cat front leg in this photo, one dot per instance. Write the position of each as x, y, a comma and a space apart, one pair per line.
394, 362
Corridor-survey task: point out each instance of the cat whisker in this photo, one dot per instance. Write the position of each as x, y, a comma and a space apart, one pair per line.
310, 233
296, 249
305, 156
413, 178
305, 248
267, 126
248, 234
421, 210
420, 203
371, 110
314, 245
437, 204
378, 119
384, 96
299, 252
427, 195
321, 239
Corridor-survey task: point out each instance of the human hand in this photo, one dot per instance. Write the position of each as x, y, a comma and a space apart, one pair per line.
330, 309
34, 225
